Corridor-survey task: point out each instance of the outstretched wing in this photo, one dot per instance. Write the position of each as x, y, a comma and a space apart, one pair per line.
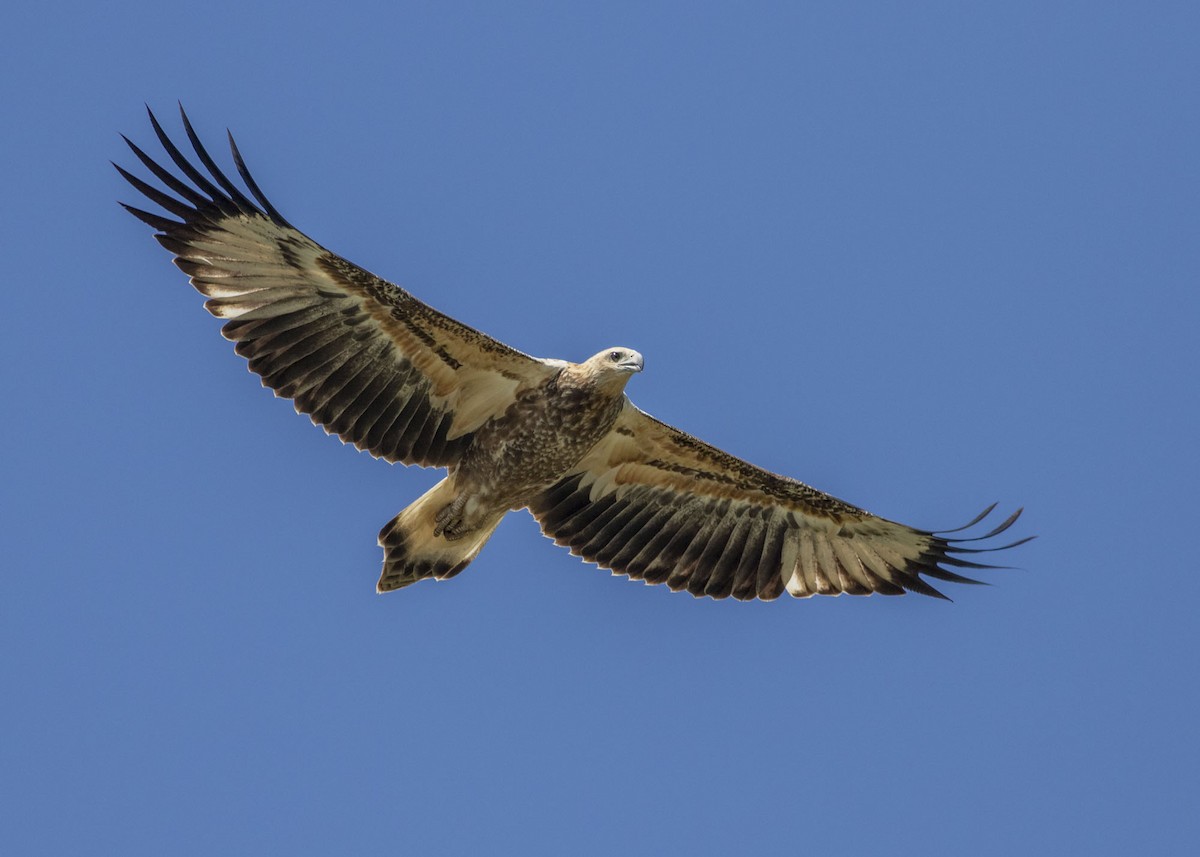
656, 504
361, 356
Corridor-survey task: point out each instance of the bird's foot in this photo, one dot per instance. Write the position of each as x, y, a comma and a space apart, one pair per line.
450, 522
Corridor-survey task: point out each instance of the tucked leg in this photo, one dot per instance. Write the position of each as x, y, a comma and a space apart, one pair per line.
450, 521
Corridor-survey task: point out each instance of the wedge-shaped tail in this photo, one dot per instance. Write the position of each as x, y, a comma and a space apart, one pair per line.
411, 551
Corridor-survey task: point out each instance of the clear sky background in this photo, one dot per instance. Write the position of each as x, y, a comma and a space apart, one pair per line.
923, 256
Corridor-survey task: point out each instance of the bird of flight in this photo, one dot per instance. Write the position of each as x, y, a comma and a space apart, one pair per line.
380, 369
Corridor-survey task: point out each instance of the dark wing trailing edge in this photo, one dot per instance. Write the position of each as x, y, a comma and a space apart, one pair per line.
658, 505
361, 356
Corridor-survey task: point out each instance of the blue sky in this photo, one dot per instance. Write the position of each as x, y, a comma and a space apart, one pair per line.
922, 256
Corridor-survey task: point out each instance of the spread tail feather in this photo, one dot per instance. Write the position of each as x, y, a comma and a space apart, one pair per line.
411, 551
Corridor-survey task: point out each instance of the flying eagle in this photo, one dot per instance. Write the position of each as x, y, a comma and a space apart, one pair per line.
380, 369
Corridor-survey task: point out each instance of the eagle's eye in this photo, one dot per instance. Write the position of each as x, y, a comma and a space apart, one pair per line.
615, 356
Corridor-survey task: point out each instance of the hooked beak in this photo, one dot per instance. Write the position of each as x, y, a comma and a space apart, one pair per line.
632, 363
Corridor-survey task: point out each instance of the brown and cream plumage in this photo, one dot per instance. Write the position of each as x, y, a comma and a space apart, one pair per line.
370, 363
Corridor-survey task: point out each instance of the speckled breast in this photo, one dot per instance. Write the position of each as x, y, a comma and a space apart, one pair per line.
538, 439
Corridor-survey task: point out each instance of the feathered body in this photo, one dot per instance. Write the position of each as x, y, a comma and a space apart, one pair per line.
546, 431
382, 370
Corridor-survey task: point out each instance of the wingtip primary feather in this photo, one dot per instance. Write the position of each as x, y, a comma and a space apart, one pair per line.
208, 198
216, 197
162, 224
1004, 525
180, 187
969, 523
239, 199
244, 172
178, 208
